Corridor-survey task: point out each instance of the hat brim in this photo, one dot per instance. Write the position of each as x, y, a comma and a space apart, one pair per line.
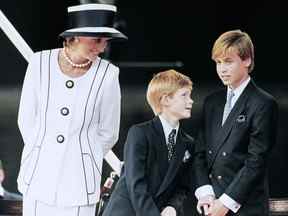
115, 35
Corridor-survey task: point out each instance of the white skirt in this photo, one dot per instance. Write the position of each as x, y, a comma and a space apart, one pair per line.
32, 207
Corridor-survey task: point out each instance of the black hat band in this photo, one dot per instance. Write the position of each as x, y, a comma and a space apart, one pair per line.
99, 18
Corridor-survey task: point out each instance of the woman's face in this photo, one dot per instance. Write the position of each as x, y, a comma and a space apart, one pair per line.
91, 47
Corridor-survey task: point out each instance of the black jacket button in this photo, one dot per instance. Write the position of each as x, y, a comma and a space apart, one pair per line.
69, 84
64, 111
60, 139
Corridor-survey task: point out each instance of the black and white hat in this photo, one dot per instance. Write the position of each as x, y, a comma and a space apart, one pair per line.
92, 20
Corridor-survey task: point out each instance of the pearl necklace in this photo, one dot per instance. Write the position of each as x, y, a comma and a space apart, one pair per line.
74, 64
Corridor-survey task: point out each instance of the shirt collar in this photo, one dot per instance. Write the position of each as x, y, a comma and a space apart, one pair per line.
167, 128
238, 91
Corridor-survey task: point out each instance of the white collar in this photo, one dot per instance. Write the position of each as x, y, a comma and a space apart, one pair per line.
238, 91
167, 128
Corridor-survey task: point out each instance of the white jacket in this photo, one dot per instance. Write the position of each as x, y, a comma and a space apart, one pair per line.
64, 148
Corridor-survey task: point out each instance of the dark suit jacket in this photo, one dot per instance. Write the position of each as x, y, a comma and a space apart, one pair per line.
149, 182
233, 157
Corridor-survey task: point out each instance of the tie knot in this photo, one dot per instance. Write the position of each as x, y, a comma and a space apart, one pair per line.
230, 95
172, 134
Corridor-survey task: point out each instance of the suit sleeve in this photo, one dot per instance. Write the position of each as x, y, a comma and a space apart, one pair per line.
110, 110
262, 138
27, 112
180, 194
135, 156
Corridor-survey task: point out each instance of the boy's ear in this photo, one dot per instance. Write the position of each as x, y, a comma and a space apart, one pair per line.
247, 62
164, 100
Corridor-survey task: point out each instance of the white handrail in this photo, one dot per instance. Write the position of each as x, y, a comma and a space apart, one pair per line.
15, 37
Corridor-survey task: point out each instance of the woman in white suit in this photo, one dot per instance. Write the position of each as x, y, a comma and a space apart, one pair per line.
69, 117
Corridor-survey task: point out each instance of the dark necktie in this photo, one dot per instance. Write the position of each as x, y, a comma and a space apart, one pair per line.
171, 144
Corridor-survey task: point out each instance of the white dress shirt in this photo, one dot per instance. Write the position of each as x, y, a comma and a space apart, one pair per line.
238, 91
168, 128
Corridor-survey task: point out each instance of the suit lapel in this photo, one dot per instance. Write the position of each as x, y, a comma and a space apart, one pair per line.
217, 116
175, 163
161, 147
214, 117
225, 130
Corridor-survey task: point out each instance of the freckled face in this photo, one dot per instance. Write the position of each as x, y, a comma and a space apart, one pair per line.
180, 104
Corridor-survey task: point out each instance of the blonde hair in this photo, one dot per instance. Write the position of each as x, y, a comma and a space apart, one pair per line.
234, 40
165, 83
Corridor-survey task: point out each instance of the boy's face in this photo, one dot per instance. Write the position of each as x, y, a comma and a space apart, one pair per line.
179, 104
231, 69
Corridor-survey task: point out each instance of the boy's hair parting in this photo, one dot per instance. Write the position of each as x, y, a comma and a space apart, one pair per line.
234, 40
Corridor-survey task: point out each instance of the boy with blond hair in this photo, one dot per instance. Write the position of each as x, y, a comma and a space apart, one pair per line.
155, 180
237, 134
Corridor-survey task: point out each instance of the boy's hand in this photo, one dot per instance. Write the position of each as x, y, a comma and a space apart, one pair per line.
218, 209
205, 202
168, 211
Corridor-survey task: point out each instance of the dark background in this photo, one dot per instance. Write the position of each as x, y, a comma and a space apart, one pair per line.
162, 34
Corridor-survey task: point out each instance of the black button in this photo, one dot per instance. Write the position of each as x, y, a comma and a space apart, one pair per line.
60, 138
64, 111
69, 84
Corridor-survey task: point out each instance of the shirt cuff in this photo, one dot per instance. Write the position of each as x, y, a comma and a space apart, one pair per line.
204, 190
229, 203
